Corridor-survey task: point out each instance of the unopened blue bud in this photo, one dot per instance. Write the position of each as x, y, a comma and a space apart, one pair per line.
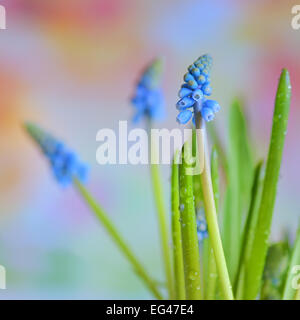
207, 114
184, 116
196, 72
183, 92
201, 79
184, 103
188, 77
197, 95
192, 84
207, 90
212, 104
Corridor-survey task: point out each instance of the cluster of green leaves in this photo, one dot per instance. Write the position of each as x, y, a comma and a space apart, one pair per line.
257, 268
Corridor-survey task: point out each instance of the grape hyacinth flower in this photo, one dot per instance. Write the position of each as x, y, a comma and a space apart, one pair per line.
64, 162
148, 98
193, 104
193, 91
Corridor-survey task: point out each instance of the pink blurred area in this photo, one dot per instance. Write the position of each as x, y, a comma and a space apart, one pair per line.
71, 66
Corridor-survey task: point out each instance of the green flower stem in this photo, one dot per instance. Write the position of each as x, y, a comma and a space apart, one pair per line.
289, 292
176, 234
212, 268
119, 241
250, 228
191, 255
261, 238
163, 226
161, 215
213, 228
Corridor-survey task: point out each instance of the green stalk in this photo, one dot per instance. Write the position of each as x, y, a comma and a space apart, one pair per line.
176, 234
212, 268
163, 226
191, 256
260, 243
288, 292
250, 228
213, 228
119, 241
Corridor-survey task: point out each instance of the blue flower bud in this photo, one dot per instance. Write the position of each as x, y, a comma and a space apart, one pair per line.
212, 104
206, 89
188, 77
207, 114
184, 116
192, 84
184, 103
201, 79
183, 92
205, 72
196, 72
202, 230
199, 65
191, 67
197, 95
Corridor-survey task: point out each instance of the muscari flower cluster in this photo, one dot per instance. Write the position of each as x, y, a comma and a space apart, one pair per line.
64, 162
202, 230
148, 98
193, 91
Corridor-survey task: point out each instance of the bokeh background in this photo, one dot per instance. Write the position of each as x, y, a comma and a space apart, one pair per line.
71, 65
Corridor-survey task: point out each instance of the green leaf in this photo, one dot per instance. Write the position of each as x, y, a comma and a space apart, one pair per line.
250, 228
260, 243
289, 293
190, 245
240, 176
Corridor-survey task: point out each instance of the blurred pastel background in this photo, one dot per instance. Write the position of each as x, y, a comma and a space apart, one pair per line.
71, 65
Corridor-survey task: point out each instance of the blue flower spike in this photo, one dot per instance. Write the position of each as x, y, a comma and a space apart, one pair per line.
194, 91
64, 162
148, 98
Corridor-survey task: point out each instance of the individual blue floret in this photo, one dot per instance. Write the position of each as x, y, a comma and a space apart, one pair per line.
148, 98
64, 162
202, 230
194, 91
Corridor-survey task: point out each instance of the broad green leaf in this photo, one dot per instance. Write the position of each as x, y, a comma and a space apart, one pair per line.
261, 238
240, 175
249, 230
